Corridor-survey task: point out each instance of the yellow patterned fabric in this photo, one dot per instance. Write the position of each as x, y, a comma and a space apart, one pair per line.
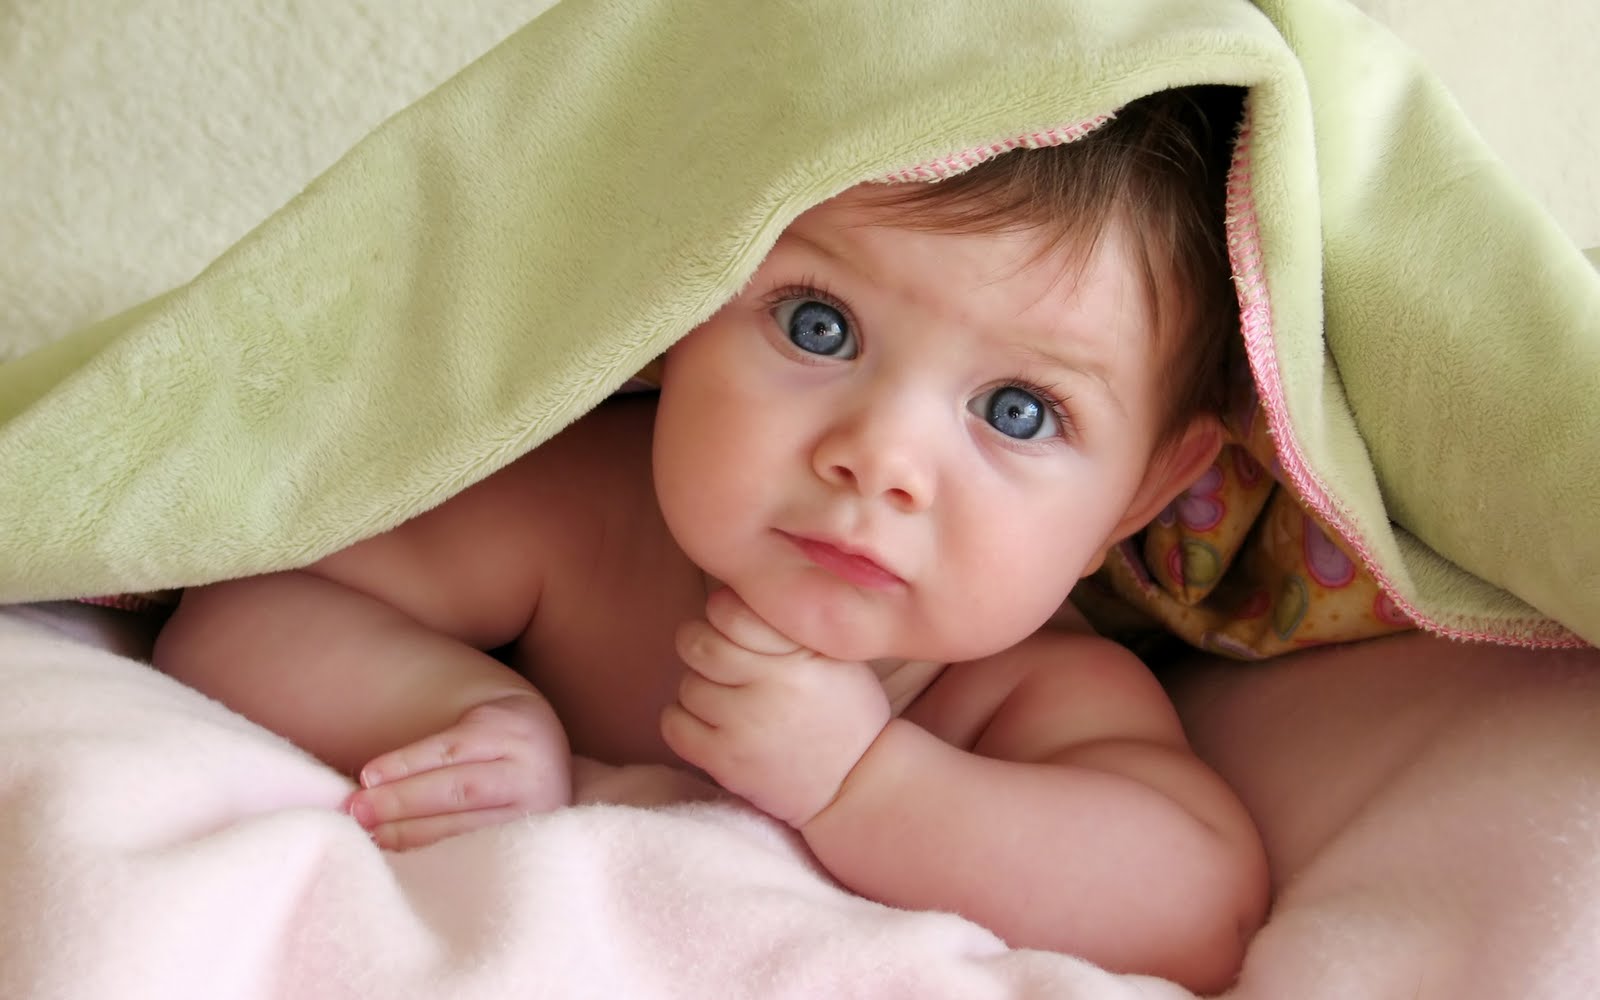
1238, 566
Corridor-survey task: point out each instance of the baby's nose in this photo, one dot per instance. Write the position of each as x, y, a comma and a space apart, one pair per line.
874, 455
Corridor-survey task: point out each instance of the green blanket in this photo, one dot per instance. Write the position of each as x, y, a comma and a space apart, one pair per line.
497, 258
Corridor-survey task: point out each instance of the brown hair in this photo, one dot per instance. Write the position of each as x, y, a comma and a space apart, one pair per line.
1160, 167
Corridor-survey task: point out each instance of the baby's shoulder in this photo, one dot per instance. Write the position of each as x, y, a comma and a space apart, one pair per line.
613, 437
1079, 665
1061, 684
551, 508
598, 463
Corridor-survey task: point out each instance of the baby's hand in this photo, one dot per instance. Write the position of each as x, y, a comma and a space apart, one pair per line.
503, 759
771, 721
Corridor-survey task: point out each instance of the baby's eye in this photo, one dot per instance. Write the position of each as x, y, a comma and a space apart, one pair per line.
816, 328
1016, 413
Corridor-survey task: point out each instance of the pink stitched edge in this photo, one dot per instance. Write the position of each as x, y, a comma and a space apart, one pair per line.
1244, 251
947, 166
140, 603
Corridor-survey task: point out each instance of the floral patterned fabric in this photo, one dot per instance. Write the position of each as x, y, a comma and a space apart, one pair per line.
1236, 566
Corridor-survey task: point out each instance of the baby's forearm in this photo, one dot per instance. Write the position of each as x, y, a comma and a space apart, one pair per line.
341, 674
1049, 856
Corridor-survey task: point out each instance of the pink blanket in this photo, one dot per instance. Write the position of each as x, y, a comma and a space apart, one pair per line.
152, 844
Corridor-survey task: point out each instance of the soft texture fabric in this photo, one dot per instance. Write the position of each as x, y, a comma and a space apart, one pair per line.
142, 138
1527, 82
499, 256
1431, 820
129, 169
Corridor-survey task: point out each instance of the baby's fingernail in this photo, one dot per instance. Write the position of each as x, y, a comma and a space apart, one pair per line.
360, 810
370, 778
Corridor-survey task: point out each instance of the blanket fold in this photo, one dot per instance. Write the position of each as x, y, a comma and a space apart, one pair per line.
1432, 818
498, 257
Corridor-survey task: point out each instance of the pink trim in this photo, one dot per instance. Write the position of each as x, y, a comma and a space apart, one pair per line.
935, 170
141, 603
1244, 250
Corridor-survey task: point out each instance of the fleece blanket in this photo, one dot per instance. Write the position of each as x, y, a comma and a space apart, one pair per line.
508, 250
1431, 820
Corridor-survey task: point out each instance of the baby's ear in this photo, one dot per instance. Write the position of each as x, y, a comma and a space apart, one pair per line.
1173, 468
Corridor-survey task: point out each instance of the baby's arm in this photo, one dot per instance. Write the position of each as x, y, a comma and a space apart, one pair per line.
370, 661
1079, 821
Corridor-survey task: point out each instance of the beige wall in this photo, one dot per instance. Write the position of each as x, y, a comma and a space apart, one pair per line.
1528, 74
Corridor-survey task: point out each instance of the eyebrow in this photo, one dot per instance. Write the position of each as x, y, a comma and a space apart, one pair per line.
1031, 353
815, 246
1025, 352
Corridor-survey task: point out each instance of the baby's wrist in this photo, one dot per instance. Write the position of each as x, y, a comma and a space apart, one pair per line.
856, 781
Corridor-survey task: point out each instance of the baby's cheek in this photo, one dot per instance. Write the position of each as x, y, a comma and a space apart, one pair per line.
1017, 596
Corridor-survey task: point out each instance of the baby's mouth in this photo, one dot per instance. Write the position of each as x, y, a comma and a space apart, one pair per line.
852, 566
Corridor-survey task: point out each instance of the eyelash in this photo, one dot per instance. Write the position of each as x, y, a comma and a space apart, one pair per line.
811, 288
1054, 400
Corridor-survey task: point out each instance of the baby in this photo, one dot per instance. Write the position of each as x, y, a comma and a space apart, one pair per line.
818, 569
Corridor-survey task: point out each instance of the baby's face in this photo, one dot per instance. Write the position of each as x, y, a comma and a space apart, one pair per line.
897, 443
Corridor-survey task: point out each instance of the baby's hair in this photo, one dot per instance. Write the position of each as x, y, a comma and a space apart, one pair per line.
1160, 167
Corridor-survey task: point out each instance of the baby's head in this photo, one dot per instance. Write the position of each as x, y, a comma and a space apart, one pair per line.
1158, 171
935, 407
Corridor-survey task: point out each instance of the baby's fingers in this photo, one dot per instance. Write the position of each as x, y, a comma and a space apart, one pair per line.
490, 790
687, 736
457, 745
404, 835
732, 645
730, 615
463, 788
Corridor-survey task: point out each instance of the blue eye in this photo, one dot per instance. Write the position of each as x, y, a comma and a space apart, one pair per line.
816, 328
1016, 413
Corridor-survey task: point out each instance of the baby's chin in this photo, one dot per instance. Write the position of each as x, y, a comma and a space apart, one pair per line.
867, 638
826, 631
830, 621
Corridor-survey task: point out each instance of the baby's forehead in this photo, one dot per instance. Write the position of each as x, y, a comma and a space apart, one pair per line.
1016, 291
1044, 252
